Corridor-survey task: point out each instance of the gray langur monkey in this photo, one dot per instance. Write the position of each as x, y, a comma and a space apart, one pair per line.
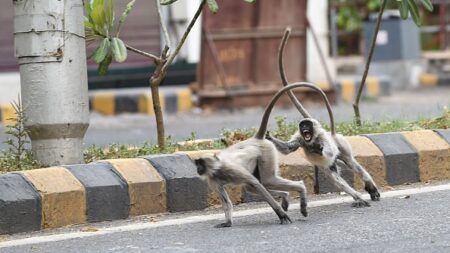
324, 150
254, 163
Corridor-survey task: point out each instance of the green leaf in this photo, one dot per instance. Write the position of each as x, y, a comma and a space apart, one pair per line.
403, 8
98, 16
119, 50
250, 1
125, 13
88, 9
127, 10
88, 24
102, 50
166, 2
212, 5
110, 11
104, 65
414, 12
428, 5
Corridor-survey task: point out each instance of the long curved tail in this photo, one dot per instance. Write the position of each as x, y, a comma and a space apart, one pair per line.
265, 119
291, 95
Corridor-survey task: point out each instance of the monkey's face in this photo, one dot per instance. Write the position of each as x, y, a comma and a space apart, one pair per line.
306, 128
201, 166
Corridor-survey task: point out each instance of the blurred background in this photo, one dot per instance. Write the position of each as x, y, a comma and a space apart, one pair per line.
227, 70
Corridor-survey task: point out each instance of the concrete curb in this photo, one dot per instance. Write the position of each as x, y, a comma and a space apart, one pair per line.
119, 188
429, 79
375, 87
6, 114
108, 103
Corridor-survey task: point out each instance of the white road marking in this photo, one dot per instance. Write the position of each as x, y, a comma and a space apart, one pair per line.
206, 217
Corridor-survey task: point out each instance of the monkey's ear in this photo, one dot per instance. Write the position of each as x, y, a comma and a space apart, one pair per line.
216, 157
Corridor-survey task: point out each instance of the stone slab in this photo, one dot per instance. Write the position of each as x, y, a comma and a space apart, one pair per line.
434, 154
444, 133
126, 103
371, 158
20, 205
146, 187
63, 196
185, 189
106, 193
402, 160
294, 166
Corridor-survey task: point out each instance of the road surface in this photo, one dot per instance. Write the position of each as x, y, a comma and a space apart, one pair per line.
413, 219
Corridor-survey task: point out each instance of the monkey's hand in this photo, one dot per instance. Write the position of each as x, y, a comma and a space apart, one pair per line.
268, 136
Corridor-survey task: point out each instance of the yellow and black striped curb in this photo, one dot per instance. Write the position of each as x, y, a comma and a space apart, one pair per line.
375, 87
7, 114
430, 79
107, 103
116, 189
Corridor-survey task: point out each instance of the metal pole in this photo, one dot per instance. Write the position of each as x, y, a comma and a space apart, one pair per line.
50, 47
334, 38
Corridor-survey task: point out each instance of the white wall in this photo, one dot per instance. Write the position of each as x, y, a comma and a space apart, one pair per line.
318, 18
9, 87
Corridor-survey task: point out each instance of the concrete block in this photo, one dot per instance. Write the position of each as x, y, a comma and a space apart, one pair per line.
325, 185
434, 154
145, 103
106, 192
146, 188
294, 166
444, 133
63, 196
371, 158
196, 154
185, 189
126, 103
184, 100
104, 103
20, 205
171, 103
400, 157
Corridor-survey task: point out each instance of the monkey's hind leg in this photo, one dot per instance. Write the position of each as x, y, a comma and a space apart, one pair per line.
227, 206
333, 174
282, 184
282, 194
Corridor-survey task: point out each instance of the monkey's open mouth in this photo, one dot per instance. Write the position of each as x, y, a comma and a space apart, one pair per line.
307, 135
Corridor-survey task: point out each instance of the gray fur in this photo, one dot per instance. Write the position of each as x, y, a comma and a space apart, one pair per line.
329, 152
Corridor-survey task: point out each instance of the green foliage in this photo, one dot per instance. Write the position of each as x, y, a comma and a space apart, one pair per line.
17, 156
351, 13
99, 27
212, 5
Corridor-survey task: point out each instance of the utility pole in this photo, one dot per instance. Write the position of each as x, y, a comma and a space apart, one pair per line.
50, 47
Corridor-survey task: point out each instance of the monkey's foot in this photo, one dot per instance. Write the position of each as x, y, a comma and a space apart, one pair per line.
285, 204
223, 225
373, 191
284, 219
303, 209
360, 203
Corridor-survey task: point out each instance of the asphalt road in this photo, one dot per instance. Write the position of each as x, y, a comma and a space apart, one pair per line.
135, 129
411, 220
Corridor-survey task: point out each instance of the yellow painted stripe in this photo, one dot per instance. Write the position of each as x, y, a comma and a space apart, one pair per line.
348, 89
373, 87
146, 103
8, 114
146, 188
104, 103
324, 85
428, 79
184, 100
63, 196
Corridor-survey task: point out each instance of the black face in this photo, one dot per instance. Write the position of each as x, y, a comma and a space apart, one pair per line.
201, 166
306, 130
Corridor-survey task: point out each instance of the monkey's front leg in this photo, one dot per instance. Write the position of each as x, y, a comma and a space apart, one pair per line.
227, 206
